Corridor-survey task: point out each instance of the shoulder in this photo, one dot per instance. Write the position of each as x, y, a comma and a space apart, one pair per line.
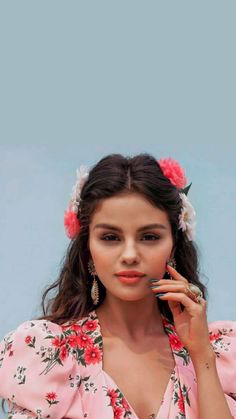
222, 335
38, 337
36, 352
29, 337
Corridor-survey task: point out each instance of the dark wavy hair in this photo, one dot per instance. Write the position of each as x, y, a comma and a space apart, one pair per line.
113, 175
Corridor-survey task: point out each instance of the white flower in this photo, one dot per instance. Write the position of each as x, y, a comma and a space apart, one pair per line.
187, 218
81, 177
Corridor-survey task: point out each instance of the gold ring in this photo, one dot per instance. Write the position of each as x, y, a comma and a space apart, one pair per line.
194, 293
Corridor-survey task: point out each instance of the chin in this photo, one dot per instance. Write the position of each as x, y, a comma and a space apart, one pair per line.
131, 297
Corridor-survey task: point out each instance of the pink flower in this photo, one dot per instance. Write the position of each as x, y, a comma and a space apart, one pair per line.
214, 336
113, 396
90, 325
73, 341
175, 342
51, 396
92, 355
125, 404
117, 411
58, 342
28, 339
84, 340
71, 326
181, 403
173, 171
71, 223
75, 327
63, 353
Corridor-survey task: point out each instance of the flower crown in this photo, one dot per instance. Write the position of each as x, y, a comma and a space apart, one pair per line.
170, 168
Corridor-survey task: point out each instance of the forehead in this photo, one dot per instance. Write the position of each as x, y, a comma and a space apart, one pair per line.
128, 209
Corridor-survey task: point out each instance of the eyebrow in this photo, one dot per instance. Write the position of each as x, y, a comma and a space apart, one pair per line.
146, 227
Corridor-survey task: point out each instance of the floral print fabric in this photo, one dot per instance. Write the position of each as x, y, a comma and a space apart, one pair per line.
55, 371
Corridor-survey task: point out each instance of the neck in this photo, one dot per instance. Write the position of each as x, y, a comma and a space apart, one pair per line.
130, 319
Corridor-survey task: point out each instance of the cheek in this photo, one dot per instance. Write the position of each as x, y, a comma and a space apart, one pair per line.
100, 256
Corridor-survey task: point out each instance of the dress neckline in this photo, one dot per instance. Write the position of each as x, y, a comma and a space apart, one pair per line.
167, 326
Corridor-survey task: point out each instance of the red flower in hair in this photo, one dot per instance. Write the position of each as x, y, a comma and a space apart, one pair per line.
173, 171
71, 224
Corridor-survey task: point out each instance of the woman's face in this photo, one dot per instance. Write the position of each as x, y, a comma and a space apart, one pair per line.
123, 246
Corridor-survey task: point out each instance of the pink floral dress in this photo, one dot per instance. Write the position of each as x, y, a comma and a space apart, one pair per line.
53, 371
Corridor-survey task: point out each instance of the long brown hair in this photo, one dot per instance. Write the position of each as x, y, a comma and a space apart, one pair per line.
112, 175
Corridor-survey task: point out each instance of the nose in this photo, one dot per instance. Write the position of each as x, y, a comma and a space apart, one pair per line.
130, 254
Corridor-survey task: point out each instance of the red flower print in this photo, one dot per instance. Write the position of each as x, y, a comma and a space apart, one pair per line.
113, 396
166, 323
92, 355
28, 339
51, 398
90, 325
117, 411
76, 327
58, 342
214, 336
73, 341
181, 403
11, 353
84, 340
175, 342
125, 404
63, 353
9, 346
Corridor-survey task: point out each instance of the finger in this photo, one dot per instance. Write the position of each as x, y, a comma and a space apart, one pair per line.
175, 308
174, 287
175, 275
165, 281
187, 302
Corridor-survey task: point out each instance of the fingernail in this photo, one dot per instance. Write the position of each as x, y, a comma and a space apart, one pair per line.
160, 294
153, 280
154, 286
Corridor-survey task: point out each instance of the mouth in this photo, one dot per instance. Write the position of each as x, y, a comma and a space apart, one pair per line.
129, 279
130, 274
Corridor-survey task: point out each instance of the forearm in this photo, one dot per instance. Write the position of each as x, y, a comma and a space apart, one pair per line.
211, 399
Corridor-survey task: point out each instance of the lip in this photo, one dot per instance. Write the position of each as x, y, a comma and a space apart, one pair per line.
129, 279
130, 274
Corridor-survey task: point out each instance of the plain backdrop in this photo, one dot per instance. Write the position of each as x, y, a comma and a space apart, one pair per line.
80, 80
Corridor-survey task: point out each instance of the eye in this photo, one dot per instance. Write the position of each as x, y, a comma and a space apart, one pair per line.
107, 237
152, 237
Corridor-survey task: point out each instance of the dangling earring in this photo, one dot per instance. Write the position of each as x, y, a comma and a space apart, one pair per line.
94, 289
171, 262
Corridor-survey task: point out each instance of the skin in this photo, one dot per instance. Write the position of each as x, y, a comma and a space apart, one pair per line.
131, 310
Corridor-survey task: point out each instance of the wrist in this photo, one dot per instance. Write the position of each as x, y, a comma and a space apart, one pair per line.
203, 356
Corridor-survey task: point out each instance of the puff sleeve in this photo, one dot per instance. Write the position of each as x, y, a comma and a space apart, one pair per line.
37, 371
222, 335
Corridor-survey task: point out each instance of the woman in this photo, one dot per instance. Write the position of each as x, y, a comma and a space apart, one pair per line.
126, 335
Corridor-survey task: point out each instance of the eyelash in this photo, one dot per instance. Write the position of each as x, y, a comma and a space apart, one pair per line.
113, 235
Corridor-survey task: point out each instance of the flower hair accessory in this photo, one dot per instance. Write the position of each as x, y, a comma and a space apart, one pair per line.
71, 222
175, 173
170, 168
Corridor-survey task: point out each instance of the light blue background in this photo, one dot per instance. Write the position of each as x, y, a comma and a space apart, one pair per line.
80, 80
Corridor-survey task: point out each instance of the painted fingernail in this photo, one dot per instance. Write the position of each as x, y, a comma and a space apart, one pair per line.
153, 286
160, 294
154, 280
